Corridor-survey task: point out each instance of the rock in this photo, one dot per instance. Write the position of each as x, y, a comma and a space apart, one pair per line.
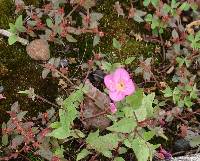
38, 49
1, 89
97, 102
193, 157
181, 145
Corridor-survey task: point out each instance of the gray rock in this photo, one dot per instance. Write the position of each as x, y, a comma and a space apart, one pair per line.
38, 49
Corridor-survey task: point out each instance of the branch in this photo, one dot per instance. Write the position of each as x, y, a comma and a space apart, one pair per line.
19, 39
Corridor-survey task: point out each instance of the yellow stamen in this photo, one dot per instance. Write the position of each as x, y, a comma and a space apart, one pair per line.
121, 86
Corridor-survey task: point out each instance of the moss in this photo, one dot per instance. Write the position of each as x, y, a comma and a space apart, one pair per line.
120, 28
6, 13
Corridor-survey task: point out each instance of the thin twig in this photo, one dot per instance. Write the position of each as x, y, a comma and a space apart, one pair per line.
163, 47
19, 39
45, 100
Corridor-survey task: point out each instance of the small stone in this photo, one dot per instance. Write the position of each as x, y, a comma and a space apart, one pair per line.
1, 89
181, 145
38, 49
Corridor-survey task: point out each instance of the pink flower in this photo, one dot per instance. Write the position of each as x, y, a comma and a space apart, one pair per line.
113, 108
119, 84
2, 97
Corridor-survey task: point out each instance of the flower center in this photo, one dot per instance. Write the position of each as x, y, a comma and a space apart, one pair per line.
121, 85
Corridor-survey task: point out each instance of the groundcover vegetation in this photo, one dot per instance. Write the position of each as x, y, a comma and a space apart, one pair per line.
121, 79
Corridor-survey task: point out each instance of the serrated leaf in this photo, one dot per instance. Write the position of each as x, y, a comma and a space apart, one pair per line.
55, 125
12, 39
119, 159
140, 149
129, 60
96, 40
45, 153
103, 144
106, 66
82, 154
125, 125
77, 133
141, 113
148, 135
147, 103
116, 44
167, 92
59, 151
195, 141
135, 100
70, 38
60, 133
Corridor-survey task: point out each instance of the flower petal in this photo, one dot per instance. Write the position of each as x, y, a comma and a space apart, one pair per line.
130, 88
116, 96
108, 81
120, 74
113, 108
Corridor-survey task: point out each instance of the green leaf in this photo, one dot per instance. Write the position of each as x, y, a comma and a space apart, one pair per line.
55, 125
187, 101
135, 100
146, 2
147, 103
19, 22
4, 138
60, 133
129, 60
154, 3
119, 159
141, 113
106, 66
12, 28
70, 38
125, 125
195, 141
82, 154
59, 151
180, 61
103, 144
148, 18
12, 39
96, 40
185, 6
167, 92
140, 149
77, 133
166, 8
116, 44
148, 135
49, 22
